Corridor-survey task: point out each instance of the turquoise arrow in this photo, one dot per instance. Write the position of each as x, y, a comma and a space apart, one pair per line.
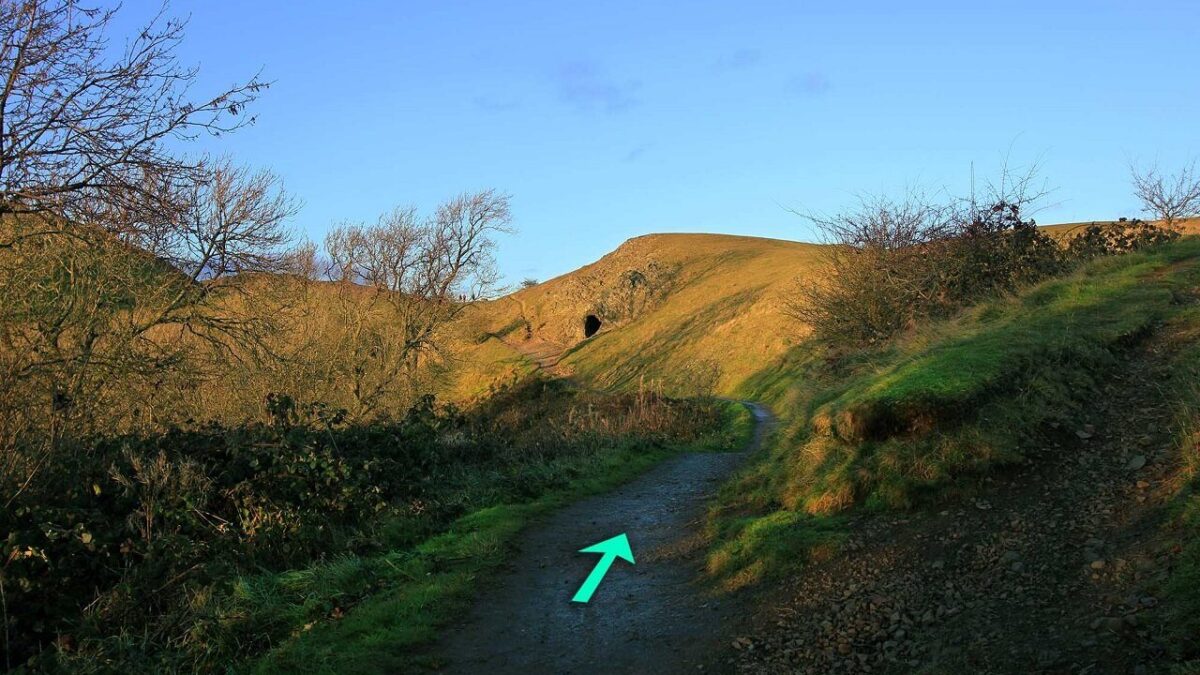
617, 547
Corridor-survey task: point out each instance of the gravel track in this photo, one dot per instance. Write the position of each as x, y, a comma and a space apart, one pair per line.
1051, 567
651, 616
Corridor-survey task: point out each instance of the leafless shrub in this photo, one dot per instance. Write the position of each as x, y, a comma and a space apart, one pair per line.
893, 262
994, 245
879, 268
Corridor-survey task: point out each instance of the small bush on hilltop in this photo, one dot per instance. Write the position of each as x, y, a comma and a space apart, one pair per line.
1168, 197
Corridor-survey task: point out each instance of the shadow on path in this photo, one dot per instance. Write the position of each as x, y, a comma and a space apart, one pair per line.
652, 616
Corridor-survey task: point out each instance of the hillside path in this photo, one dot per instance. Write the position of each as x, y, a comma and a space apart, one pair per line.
649, 616
1052, 567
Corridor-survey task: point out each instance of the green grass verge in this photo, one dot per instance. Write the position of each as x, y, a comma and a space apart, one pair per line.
409, 594
919, 417
1182, 589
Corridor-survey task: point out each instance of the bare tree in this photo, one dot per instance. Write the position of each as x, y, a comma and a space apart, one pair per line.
108, 234
232, 221
86, 127
83, 312
231, 226
424, 271
1169, 198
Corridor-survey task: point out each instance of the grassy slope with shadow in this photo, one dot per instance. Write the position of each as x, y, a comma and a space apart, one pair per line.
1183, 530
416, 591
919, 418
723, 305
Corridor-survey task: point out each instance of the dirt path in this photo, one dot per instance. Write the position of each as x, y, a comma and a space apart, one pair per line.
1051, 568
544, 355
648, 616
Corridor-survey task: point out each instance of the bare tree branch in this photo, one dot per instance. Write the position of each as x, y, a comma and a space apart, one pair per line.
81, 127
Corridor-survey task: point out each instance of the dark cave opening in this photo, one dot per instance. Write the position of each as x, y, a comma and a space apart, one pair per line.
591, 324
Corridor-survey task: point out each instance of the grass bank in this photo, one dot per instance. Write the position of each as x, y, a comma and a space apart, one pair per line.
920, 417
1183, 530
410, 593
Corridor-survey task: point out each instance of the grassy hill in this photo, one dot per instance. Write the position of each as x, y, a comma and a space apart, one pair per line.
942, 411
675, 309
941, 416
934, 414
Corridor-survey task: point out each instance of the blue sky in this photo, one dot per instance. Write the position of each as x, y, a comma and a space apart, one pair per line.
607, 120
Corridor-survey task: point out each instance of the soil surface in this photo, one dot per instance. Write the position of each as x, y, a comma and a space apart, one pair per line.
651, 616
1051, 567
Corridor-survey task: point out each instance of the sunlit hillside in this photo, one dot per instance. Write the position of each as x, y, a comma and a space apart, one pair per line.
675, 311
680, 310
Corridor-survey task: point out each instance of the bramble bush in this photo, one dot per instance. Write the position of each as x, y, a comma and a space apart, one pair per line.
119, 535
1124, 236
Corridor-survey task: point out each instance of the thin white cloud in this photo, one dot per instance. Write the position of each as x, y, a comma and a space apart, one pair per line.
636, 153
740, 59
495, 105
583, 86
809, 84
